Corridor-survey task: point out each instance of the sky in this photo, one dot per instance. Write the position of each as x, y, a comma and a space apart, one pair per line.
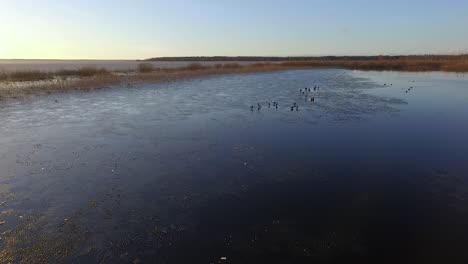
138, 29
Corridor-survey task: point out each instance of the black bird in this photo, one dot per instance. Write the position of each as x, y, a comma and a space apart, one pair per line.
292, 108
268, 104
251, 108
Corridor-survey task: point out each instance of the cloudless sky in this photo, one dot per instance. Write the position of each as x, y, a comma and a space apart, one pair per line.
105, 29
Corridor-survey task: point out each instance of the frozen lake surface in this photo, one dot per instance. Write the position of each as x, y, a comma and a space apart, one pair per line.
185, 172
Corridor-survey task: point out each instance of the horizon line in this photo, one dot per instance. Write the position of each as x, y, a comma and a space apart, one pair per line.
240, 56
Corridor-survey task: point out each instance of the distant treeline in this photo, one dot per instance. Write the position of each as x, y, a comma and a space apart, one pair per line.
309, 58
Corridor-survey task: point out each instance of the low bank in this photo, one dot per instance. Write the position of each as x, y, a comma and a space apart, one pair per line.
23, 83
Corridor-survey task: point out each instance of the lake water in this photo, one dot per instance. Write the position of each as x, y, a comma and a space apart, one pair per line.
186, 172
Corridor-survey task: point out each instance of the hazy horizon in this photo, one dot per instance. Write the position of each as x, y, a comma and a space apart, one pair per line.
213, 56
133, 30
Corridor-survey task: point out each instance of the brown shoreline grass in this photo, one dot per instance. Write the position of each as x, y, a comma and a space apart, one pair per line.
411, 65
59, 84
27, 76
16, 84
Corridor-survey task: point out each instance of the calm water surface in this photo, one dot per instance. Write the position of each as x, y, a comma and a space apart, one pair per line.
185, 172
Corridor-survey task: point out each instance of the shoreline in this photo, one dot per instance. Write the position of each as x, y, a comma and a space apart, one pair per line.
18, 89
85, 79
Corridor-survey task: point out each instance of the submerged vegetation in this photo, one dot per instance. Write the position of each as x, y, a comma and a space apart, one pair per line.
13, 84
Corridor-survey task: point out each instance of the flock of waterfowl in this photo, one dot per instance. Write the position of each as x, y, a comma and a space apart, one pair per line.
309, 96
409, 89
306, 92
403, 89
406, 91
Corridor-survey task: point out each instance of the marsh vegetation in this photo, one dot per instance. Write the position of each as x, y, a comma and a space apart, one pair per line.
18, 83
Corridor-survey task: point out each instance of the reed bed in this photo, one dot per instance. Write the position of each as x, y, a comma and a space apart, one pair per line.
145, 67
16, 84
27, 76
9, 89
405, 64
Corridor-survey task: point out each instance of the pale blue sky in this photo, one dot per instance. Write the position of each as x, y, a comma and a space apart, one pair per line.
90, 29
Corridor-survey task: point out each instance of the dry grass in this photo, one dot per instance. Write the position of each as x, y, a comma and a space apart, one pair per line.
18, 89
23, 83
82, 72
145, 67
24, 76
28, 76
193, 67
460, 66
231, 65
401, 64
